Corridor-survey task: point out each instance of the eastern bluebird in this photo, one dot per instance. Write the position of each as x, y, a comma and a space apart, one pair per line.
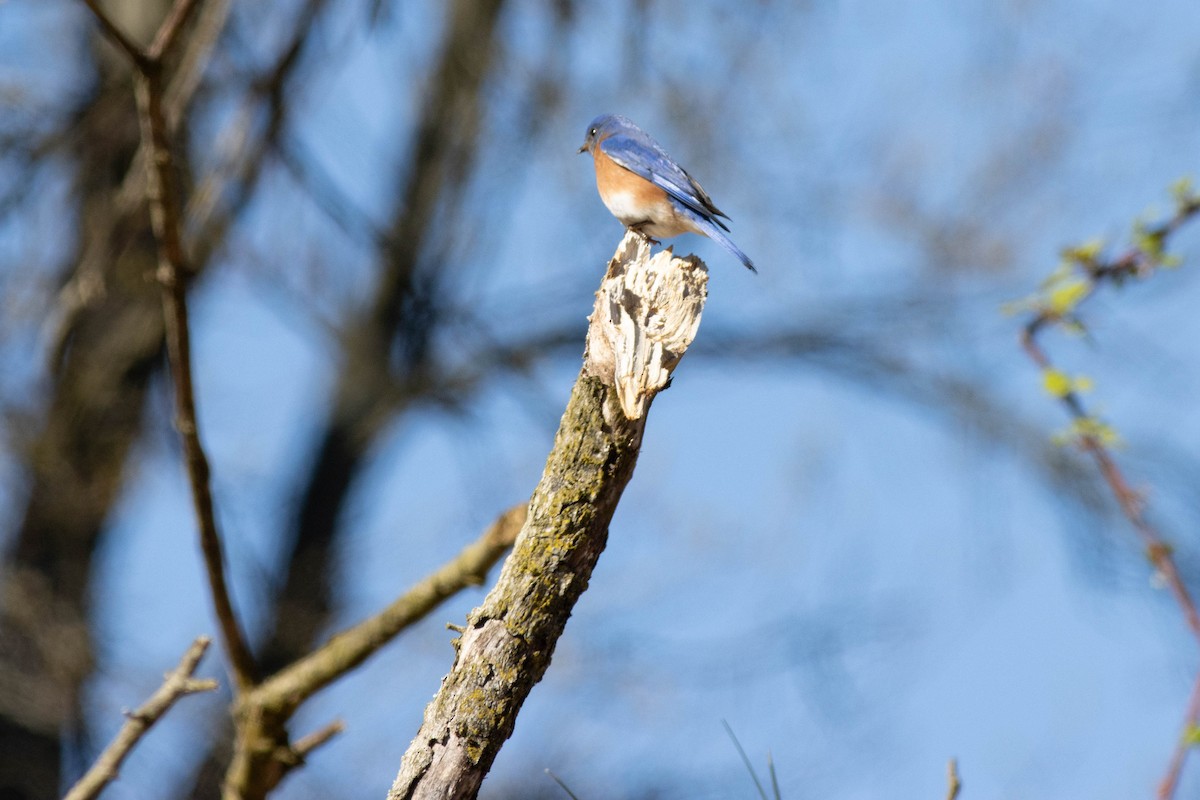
646, 190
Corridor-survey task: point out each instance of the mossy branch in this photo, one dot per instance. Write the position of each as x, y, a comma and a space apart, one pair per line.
508, 641
263, 754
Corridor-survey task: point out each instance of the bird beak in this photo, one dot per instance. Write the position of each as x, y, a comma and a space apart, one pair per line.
582, 147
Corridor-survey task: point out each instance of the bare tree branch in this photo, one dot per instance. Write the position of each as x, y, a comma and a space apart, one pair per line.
507, 643
126, 45
104, 344
166, 219
173, 275
179, 682
263, 712
345, 651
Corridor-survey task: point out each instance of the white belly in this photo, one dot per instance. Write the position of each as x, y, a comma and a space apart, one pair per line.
663, 220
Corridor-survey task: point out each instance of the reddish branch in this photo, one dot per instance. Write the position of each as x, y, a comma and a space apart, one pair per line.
1166, 788
1140, 260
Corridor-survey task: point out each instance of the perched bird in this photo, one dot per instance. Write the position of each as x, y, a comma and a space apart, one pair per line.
646, 190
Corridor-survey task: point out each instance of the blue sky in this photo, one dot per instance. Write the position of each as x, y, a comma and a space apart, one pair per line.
859, 582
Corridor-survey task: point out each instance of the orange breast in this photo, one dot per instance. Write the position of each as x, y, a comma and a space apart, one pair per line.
625, 193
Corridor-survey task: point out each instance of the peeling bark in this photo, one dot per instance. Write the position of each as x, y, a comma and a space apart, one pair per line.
509, 639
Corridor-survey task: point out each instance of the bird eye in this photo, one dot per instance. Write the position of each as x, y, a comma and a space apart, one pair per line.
592, 132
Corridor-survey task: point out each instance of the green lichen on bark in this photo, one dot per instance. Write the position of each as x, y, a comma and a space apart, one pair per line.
510, 638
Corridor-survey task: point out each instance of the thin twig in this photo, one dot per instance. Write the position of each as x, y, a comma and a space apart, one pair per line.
562, 785
131, 50
173, 273
1166, 788
1133, 262
1131, 502
306, 744
745, 760
1139, 260
164, 40
775, 792
178, 683
166, 218
287, 689
953, 782
80, 292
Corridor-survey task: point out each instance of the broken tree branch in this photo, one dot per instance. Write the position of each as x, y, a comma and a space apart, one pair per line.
646, 315
507, 643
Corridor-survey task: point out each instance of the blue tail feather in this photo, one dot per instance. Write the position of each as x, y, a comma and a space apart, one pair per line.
717, 235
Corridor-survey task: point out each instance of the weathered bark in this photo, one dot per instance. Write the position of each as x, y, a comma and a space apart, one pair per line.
507, 643
262, 753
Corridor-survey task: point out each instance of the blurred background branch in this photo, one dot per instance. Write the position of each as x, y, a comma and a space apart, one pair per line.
178, 683
1085, 271
382, 364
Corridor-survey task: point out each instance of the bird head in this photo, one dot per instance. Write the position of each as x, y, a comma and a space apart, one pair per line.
601, 128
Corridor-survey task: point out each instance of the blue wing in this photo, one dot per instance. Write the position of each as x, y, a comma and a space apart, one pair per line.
641, 155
